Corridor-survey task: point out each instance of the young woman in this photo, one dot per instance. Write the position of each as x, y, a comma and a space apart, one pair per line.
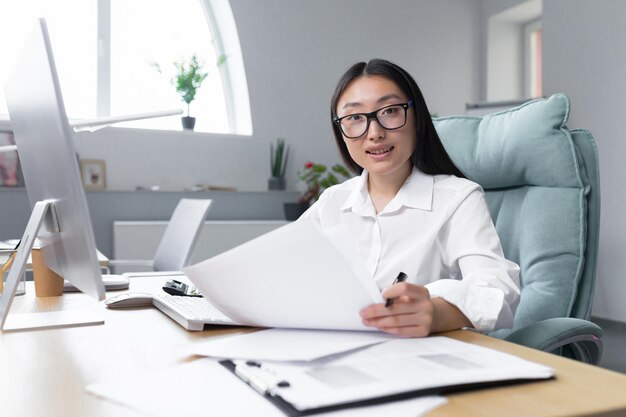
411, 210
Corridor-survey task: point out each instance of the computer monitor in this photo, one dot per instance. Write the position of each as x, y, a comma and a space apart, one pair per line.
48, 158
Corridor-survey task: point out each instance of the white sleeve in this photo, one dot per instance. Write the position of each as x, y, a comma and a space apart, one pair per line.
488, 291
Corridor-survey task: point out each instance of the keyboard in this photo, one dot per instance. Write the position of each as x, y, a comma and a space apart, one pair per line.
193, 313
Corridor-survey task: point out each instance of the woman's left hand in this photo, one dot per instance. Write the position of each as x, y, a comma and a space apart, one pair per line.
413, 313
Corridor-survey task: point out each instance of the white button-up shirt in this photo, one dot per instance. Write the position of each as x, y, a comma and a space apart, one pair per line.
437, 230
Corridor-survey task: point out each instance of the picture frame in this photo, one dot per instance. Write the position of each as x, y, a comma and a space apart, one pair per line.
93, 174
10, 169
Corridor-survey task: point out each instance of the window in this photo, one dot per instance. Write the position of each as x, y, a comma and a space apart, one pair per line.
514, 50
104, 51
73, 43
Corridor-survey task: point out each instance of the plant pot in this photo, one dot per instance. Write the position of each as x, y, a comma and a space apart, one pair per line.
276, 183
188, 122
293, 211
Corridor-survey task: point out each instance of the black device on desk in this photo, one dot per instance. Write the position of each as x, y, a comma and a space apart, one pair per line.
174, 287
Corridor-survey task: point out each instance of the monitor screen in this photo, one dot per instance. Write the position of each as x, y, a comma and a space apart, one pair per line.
49, 162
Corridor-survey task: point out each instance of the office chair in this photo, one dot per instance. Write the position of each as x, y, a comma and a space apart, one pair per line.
180, 237
541, 183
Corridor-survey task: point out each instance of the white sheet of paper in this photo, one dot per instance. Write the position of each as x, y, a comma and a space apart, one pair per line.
287, 344
204, 387
292, 277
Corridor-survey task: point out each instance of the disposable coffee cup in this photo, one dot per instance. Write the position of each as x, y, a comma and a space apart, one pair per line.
47, 282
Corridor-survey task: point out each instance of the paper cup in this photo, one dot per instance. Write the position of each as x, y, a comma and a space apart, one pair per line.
47, 282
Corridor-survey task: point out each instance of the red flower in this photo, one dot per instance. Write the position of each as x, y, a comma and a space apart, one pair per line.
308, 165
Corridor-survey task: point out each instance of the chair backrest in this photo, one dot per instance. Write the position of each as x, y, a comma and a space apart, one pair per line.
541, 184
181, 234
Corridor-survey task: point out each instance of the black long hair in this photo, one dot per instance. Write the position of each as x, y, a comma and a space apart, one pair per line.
430, 156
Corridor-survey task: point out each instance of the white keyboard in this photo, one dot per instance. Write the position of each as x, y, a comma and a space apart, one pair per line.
193, 313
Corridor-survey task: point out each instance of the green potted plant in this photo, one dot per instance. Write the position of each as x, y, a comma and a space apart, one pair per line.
279, 154
317, 178
187, 80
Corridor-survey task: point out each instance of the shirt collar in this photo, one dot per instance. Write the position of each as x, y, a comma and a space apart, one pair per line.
359, 200
416, 192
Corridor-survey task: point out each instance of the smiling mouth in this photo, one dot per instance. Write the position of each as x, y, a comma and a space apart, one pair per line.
380, 151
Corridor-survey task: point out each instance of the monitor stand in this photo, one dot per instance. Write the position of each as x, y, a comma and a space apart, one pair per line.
52, 319
43, 211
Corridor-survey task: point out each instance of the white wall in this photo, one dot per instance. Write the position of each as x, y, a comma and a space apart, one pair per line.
294, 53
585, 57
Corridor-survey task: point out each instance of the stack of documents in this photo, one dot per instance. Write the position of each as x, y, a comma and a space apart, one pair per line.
205, 388
378, 372
328, 373
297, 276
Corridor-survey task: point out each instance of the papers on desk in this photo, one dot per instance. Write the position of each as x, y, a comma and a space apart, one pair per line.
297, 276
396, 377
397, 369
204, 387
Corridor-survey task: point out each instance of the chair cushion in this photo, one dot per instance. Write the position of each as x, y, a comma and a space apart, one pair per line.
536, 187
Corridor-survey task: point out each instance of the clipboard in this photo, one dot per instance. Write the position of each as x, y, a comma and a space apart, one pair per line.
397, 370
273, 381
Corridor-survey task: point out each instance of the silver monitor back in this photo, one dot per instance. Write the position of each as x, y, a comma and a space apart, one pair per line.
49, 162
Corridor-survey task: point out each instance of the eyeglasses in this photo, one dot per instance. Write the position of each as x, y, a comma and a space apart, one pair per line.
391, 117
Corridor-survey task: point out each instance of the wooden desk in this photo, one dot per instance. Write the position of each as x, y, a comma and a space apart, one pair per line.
44, 373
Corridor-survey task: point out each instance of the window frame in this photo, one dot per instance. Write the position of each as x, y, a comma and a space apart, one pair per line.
222, 25
529, 86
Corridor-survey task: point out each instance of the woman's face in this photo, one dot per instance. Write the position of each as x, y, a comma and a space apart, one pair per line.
381, 152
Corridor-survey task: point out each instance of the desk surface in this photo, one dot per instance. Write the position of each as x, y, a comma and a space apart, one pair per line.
44, 373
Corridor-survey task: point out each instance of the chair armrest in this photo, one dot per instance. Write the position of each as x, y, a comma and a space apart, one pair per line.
582, 337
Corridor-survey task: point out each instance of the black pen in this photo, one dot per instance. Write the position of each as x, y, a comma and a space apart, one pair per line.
400, 278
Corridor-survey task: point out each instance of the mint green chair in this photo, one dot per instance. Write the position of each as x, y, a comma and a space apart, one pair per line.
541, 183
